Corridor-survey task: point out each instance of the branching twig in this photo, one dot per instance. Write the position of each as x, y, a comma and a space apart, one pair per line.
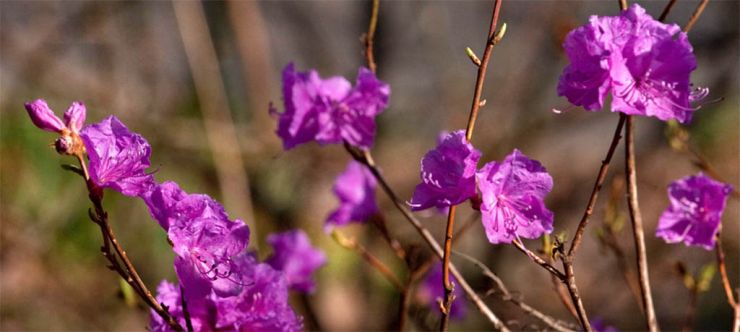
351, 244
365, 158
577, 238
127, 271
637, 228
537, 259
552, 322
491, 40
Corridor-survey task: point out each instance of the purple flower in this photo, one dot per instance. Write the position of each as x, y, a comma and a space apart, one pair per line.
205, 247
260, 305
355, 188
697, 203
263, 303
169, 295
513, 194
330, 110
43, 117
447, 174
645, 64
599, 325
431, 290
118, 157
69, 141
294, 256
168, 203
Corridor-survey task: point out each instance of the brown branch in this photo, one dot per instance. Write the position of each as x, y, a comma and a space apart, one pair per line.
570, 283
666, 10
577, 238
365, 157
491, 40
637, 227
446, 284
370, 36
128, 271
623, 4
723, 272
537, 259
185, 311
352, 244
695, 16
552, 322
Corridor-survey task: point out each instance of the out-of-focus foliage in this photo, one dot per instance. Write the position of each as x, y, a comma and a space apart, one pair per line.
127, 59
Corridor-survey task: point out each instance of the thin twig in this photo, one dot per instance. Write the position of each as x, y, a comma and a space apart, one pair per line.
365, 158
129, 274
666, 10
723, 272
352, 244
570, 283
552, 322
447, 285
637, 227
695, 16
623, 4
370, 36
577, 238
537, 259
185, 311
481, 77
379, 221
474, 108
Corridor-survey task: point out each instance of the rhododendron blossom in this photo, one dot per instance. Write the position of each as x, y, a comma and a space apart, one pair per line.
330, 110
643, 63
293, 255
44, 118
261, 303
512, 194
447, 174
697, 204
118, 157
355, 188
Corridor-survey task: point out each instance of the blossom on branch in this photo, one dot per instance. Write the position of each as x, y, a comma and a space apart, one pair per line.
355, 188
447, 174
260, 305
644, 63
513, 194
293, 255
330, 110
693, 217
118, 157
43, 117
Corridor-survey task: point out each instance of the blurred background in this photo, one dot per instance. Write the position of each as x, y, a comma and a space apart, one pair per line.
196, 79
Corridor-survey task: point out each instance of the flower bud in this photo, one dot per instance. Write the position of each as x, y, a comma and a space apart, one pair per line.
43, 117
63, 144
74, 117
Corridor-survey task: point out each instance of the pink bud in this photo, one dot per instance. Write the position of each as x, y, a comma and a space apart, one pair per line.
74, 117
43, 117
